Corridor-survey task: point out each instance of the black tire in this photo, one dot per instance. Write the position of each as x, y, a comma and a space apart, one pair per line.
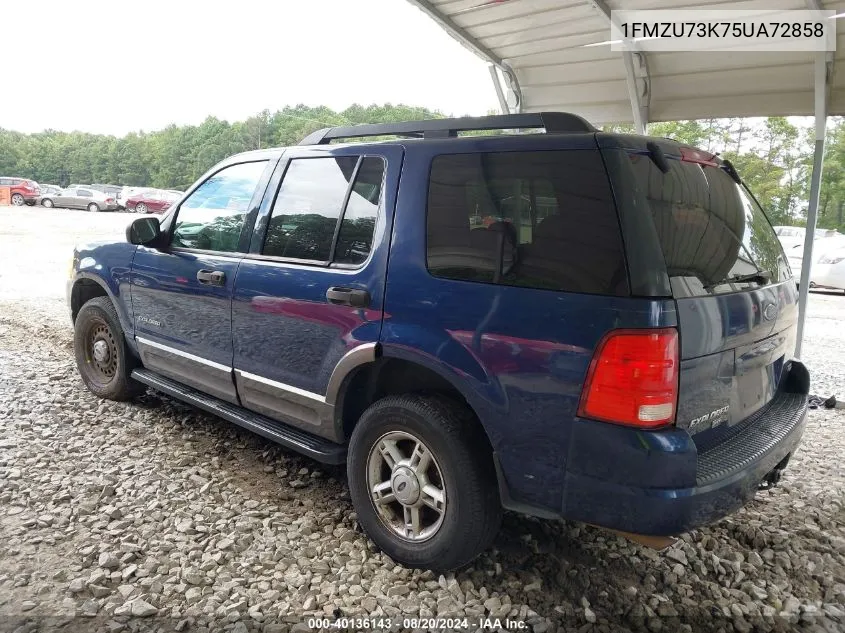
46, 202
94, 207
473, 512
18, 200
98, 321
141, 208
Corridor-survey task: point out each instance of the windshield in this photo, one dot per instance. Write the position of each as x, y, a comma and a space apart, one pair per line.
714, 236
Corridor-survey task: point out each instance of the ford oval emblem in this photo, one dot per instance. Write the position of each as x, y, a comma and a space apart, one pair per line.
770, 311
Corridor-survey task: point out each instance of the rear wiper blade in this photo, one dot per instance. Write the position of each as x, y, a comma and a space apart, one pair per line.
761, 277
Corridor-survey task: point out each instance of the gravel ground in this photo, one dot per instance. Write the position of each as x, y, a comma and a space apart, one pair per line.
133, 516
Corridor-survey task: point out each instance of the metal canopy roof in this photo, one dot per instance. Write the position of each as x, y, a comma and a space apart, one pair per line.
539, 45
541, 60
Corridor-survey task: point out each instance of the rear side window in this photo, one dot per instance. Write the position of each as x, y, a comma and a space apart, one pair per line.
317, 201
711, 230
355, 239
536, 219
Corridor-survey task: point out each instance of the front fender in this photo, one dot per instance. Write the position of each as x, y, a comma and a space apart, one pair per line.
109, 266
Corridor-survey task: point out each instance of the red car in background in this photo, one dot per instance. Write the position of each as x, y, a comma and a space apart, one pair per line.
21, 190
151, 201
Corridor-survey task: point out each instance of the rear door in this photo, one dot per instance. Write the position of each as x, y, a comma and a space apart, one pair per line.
309, 294
63, 198
182, 293
82, 199
736, 298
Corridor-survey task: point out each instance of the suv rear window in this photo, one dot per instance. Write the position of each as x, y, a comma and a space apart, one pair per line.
538, 219
710, 228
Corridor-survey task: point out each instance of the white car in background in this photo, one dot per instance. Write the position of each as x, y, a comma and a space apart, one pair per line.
791, 236
829, 270
821, 247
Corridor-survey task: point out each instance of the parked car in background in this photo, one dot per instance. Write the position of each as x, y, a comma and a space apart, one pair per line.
22, 190
790, 236
829, 270
128, 192
80, 198
828, 240
151, 201
110, 190
47, 190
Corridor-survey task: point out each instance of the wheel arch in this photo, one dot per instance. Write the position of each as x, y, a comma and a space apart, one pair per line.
390, 373
85, 287
83, 290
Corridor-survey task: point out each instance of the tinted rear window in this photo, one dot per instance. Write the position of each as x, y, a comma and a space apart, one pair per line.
710, 229
537, 219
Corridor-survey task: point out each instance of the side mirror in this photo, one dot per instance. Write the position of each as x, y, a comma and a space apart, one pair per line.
145, 231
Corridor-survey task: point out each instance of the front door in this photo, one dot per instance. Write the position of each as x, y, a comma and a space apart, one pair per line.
309, 294
182, 294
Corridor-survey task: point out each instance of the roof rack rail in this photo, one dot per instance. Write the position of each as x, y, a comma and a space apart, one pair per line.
445, 128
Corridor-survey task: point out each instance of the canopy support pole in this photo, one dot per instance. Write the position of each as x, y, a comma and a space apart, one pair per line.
636, 72
821, 77
639, 111
500, 93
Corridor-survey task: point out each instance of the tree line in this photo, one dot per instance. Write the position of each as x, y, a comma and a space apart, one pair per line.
773, 155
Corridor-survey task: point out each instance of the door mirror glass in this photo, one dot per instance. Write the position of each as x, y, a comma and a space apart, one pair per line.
144, 231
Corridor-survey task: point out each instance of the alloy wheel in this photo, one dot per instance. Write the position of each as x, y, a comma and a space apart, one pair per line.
406, 486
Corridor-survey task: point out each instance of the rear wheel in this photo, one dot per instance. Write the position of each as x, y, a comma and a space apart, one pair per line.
93, 207
46, 202
140, 208
18, 200
102, 356
422, 481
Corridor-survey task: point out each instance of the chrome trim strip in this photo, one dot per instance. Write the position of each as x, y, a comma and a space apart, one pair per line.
360, 355
178, 352
281, 386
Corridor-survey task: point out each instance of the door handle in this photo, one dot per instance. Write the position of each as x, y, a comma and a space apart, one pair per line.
212, 277
348, 296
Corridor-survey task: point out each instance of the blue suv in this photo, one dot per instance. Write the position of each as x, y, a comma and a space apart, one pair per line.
565, 323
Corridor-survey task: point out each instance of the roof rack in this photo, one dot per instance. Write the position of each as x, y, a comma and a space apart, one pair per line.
552, 122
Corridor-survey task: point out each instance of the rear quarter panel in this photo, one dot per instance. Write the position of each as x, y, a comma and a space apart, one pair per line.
519, 356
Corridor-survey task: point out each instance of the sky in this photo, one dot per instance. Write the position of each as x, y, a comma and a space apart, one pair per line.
113, 66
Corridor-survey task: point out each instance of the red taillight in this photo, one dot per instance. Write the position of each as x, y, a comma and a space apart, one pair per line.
109, 200
633, 379
692, 155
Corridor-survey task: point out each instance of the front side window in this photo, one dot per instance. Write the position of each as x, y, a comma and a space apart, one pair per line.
541, 219
310, 204
212, 217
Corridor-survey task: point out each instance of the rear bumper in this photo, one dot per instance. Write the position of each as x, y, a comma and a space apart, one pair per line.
726, 474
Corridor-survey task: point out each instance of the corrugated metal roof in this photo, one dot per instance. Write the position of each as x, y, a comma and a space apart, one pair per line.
543, 42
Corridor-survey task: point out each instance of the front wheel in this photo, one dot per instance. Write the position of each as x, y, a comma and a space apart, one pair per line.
140, 208
18, 200
102, 356
47, 203
422, 481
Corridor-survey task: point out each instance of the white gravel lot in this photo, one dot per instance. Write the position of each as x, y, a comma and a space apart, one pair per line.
118, 516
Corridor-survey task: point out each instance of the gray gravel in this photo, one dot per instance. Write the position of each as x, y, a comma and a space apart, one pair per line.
113, 515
